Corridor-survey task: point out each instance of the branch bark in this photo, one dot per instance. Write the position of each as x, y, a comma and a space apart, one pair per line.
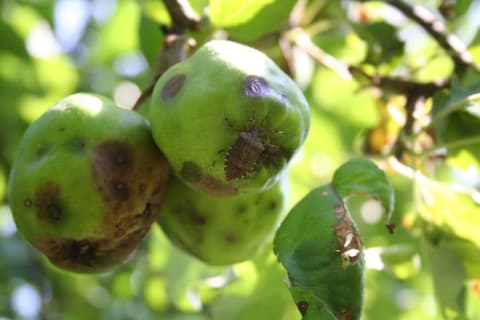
175, 44
413, 99
400, 86
448, 41
174, 50
346, 71
183, 16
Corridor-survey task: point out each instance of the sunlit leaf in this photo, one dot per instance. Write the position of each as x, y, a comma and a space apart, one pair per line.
151, 39
11, 41
250, 19
456, 118
449, 281
469, 253
121, 286
458, 212
459, 99
259, 283
3, 182
118, 34
155, 293
156, 11
388, 45
231, 13
452, 219
344, 102
402, 260
461, 6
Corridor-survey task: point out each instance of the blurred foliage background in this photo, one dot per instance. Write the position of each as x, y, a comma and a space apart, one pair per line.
379, 85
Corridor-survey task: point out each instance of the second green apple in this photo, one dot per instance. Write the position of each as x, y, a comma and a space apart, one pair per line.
221, 230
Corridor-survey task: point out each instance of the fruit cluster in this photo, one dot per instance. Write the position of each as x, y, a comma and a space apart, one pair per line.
207, 163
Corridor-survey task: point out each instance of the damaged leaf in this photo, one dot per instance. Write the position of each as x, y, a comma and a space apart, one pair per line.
320, 247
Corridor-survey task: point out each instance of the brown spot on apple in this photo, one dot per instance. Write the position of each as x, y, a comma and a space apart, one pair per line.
172, 87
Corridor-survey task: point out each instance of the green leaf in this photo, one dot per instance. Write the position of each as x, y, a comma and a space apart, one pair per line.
362, 177
320, 247
250, 19
11, 41
379, 47
3, 182
232, 13
458, 92
399, 259
461, 6
470, 255
456, 117
151, 39
449, 281
451, 219
118, 35
258, 283
459, 99
310, 306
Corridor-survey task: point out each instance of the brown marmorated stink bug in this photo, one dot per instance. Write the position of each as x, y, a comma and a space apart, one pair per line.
251, 147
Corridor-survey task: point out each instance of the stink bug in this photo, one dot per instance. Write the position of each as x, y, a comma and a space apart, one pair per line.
251, 147
243, 155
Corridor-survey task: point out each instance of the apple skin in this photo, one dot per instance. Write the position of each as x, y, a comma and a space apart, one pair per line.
87, 183
221, 230
228, 119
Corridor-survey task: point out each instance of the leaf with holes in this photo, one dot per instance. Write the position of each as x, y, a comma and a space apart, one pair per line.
320, 247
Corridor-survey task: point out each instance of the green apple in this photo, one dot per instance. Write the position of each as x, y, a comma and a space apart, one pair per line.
228, 119
221, 230
87, 183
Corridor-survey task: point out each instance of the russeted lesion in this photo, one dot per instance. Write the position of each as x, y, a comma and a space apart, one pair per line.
90, 254
113, 170
47, 203
348, 240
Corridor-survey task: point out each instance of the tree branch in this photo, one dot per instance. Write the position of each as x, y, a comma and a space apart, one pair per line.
183, 16
400, 86
303, 41
175, 44
475, 140
174, 50
448, 41
411, 104
346, 71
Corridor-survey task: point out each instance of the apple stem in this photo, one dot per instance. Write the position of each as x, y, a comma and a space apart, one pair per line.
175, 44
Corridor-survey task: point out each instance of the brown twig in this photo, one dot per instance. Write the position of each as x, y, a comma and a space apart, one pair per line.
174, 50
183, 16
414, 99
175, 44
287, 52
399, 85
303, 41
389, 84
448, 41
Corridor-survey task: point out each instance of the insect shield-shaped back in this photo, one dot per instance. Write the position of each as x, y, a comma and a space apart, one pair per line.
243, 155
